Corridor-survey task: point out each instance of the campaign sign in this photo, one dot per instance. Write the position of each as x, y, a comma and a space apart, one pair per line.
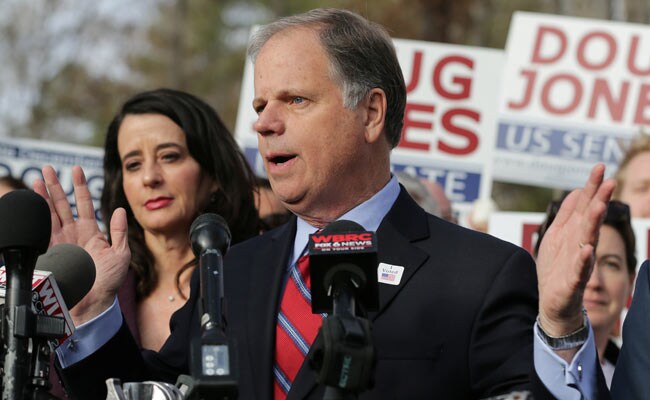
575, 91
449, 122
24, 158
520, 228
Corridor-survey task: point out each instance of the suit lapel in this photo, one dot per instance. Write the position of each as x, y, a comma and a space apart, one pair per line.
266, 283
404, 224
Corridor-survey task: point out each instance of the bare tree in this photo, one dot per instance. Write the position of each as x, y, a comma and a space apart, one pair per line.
62, 57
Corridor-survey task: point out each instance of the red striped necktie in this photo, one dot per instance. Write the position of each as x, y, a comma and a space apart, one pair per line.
296, 328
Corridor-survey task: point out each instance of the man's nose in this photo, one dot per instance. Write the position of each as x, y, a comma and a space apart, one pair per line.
270, 120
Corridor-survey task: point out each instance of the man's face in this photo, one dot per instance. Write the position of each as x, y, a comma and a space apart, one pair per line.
314, 150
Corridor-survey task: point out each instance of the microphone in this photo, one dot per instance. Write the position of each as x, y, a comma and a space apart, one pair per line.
210, 239
73, 270
25, 235
63, 276
343, 256
343, 265
213, 355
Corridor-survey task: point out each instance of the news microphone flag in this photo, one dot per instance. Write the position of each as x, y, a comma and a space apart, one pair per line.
335, 250
46, 298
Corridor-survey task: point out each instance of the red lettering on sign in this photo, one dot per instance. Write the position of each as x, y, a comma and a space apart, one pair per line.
611, 50
546, 94
547, 32
451, 127
641, 107
464, 83
631, 65
409, 123
415, 73
615, 106
529, 237
530, 82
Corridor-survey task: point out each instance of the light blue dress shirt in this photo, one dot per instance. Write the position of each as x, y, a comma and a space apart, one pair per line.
575, 381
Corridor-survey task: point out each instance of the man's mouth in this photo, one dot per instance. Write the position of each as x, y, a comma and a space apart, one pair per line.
280, 160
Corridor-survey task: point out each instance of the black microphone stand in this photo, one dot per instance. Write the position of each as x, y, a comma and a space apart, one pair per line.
24, 334
38, 386
344, 354
213, 356
19, 270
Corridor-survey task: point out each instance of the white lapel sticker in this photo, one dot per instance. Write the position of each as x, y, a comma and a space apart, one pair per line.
389, 274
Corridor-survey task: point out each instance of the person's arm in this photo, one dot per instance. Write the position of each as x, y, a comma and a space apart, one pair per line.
564, 265
575, 380
90, 336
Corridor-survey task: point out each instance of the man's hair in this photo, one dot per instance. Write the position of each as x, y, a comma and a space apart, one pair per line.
361, 54
638, 145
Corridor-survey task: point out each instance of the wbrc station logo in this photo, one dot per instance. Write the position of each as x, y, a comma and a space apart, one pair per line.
343, 242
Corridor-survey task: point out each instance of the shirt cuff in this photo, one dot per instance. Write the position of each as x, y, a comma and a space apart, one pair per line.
90, 336
567, 381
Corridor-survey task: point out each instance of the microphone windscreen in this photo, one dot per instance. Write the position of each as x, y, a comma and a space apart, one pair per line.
26, 221
73, 270
342, 225
209, 231
341, 250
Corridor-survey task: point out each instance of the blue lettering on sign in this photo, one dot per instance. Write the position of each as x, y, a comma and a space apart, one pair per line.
59, 157
8, 150
561, 143
460, 186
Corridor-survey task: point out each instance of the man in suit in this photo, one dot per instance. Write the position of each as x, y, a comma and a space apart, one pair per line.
631, 374
459, 323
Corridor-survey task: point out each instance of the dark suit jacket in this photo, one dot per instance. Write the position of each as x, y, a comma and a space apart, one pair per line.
632, 373
458, 326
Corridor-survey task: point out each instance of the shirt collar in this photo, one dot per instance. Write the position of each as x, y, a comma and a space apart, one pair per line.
368, 214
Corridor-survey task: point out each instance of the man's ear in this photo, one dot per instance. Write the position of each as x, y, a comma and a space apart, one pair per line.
375, 114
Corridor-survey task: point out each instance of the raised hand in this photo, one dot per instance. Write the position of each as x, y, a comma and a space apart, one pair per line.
566, 255
111, 260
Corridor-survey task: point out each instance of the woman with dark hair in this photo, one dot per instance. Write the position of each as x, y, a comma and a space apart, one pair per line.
168, 159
